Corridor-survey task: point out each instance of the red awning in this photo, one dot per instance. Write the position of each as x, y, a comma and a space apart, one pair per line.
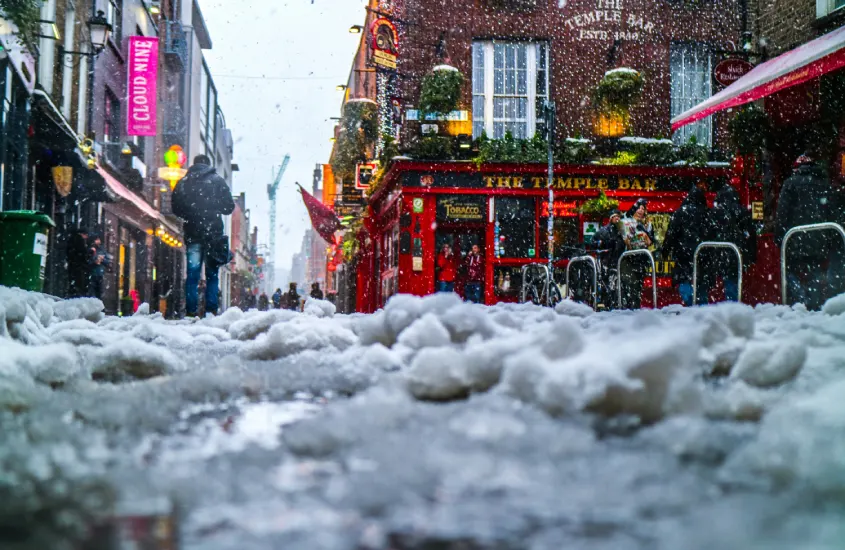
813, 59
124, 193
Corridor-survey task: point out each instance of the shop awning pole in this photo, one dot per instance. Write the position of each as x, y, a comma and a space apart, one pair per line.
550, 133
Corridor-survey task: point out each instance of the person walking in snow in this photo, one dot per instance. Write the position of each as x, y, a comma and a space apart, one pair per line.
731, 223
687, 229
291, 299
474, 268
78, 268
277, 299
638, 234
808, 197
200, 199
446, 269
610, 245
97, 262
316, 292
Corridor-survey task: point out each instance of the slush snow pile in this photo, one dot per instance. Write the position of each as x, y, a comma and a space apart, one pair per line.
431, 423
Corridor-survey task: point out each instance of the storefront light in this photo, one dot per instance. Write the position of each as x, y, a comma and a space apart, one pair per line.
340, 87
355, 29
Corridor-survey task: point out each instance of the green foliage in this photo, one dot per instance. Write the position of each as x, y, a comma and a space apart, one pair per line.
618, 91
693, 152
25, 15
599, 206
577, 151
349, 246
433, 148
750, 130
358, 132
389, 150
361, 116
622, 158
510, 149
441, 91
652, 152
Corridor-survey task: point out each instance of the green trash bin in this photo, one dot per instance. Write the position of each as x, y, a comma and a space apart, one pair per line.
24, 235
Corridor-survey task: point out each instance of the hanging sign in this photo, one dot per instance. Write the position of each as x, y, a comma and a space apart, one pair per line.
728, 71
142, 86
384, 43
63, 178
363, 176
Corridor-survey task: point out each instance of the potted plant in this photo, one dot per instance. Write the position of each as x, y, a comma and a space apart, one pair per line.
598, 207
441, 91
612, 99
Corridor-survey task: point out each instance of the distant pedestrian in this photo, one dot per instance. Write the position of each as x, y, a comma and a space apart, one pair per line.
808, 197
277, 299
638, 235
200, 199
78, 267
610, 245
291, 300
688, 228
474, 268
446, 269
97, 262
731, 223
316, 292
263, 302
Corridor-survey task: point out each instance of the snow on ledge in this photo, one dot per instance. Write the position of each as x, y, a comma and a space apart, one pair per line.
444, 68
361, 100
626, 70
646, 141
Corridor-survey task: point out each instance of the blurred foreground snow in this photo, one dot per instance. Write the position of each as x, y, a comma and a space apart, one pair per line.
431, 424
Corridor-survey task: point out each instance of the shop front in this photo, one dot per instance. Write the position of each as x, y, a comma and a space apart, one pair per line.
504, 209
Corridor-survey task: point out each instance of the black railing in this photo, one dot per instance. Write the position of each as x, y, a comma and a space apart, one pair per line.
175, 45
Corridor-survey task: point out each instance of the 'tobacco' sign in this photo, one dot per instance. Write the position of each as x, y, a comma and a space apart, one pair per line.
142, 86
730, 70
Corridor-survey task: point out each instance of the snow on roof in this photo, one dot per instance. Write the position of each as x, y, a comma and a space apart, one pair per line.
646, 141
578, 140
361, 100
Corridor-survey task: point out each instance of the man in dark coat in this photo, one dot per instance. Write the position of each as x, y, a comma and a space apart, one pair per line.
638, 234
77, 263
731, 223
687, 229
200, 199
291, 299
807, 197
610, 244
98, 260
316, 292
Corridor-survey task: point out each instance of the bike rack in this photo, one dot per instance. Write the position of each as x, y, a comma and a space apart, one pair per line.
653, 274
592, 261
716, 244
802, 229
545, 270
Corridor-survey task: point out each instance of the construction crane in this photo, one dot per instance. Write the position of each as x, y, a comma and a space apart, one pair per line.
270, 274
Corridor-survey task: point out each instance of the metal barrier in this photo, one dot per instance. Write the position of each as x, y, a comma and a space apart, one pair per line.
592, 261
653, 274
802, 229
715, 244
545, 270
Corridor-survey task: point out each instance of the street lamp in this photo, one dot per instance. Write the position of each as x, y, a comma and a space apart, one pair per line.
99, 30
355, 29
340, 87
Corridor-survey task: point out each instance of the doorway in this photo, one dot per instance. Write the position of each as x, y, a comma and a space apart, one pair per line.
461, 237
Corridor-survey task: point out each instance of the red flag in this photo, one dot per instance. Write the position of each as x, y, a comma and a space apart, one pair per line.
323, 218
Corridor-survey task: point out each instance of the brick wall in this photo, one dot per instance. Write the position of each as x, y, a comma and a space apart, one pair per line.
785, 24
579, 58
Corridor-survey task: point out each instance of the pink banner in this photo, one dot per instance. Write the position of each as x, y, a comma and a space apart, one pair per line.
142, 86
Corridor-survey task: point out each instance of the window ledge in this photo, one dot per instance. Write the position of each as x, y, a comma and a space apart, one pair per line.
832, 19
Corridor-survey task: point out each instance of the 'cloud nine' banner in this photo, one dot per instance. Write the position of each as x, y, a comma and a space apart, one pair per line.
141, 86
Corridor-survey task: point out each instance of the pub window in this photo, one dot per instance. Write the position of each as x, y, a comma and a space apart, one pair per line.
826, 7
510, 83
567, 237
690, 65
515, 222
114, 15
111, 126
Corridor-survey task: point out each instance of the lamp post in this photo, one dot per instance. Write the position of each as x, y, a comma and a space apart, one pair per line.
549, 115
99, 31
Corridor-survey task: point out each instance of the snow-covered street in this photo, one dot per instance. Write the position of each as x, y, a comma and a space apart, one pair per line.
430, 424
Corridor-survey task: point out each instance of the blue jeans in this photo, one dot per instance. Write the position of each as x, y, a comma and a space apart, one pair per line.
731, 292
473, 292
196, 253
443, 286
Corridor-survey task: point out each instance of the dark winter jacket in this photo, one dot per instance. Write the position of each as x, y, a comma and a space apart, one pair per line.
277, 298
77, 253
474, 266
291, 300
807, 197
609, 238
200, 199
687, 229
97, 262
317, 294
731, 223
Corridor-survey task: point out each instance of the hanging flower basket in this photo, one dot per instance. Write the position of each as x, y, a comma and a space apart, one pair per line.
441, 90
598, 207
618, 91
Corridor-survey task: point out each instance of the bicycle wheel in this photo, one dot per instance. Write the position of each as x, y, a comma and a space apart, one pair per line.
556, 296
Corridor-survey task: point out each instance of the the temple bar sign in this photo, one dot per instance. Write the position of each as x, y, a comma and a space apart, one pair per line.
573, 183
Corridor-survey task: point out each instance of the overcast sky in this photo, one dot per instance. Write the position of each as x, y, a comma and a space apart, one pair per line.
276, 65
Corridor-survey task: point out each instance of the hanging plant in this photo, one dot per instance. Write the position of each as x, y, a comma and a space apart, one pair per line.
350, 150
361, 115
618, 91
750, 130
349, 246
599, 206
441, 90
25, 14
433, 148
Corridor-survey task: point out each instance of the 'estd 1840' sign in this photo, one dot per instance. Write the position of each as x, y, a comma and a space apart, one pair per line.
728, 71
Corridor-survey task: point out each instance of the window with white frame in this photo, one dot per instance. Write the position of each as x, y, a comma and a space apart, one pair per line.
510, 83
826, 7
691, 67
